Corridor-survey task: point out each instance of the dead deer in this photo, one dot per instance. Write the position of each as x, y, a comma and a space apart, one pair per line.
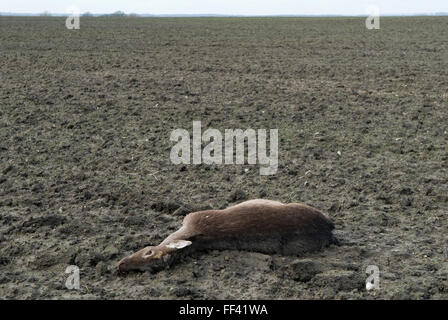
256, 225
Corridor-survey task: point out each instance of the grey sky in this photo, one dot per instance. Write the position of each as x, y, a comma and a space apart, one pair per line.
243, 7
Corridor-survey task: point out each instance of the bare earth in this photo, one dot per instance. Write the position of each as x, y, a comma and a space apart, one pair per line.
86, 178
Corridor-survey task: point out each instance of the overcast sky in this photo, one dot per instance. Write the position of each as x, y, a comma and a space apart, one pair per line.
241, 7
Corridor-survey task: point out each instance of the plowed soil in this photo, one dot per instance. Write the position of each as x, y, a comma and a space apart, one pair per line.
86, 176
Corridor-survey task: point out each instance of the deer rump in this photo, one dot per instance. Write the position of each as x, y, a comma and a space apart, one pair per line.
291, 229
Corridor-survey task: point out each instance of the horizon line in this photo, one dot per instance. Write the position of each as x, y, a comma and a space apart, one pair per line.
174, 15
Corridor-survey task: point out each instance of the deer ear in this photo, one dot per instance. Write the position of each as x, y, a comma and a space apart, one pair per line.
179, 244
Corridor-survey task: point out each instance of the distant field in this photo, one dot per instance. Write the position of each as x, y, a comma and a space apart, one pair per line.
86, 177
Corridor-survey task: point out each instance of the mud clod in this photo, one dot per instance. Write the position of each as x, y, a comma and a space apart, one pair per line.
238, 195
340, 280
302, 270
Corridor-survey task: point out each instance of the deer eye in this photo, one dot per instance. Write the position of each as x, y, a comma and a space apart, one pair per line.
148, 253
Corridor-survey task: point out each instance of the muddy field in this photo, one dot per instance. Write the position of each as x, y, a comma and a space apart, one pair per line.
86, 176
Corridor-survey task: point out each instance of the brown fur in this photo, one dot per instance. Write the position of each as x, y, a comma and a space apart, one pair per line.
258, 225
